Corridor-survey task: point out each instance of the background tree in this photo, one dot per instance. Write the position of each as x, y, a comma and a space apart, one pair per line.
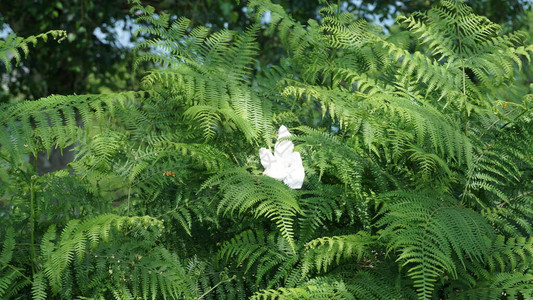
87, 64
510, 14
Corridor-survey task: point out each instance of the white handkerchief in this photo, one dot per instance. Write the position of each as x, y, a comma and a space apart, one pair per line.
266, 157
295, 173
285, 164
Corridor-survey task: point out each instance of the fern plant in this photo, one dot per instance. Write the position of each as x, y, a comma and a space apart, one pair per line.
418, 166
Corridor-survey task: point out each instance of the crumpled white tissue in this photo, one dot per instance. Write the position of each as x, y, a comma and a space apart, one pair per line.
285, 164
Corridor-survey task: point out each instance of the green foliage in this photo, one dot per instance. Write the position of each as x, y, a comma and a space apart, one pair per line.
12, 47
432, 236
262, 195
270, 258
115, 266
416, 147
11, 277
208, 73
325, 251
318, 288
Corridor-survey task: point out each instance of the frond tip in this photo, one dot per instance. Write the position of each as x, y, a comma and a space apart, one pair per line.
10, 47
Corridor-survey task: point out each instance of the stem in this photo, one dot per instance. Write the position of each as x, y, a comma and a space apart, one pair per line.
497, 121
129, 197
464, 75
221, 282
516, 118
470, 176
464, 93
17, 270
32, 225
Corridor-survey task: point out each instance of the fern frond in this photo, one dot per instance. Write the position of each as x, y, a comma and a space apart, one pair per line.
494, 168
32, 126
39, 286
433, 236
320, 205
9, 274
326, 251
464, 40
293, 35
378, 284
333, 156
11, 45
212, 83
7, 247
78, 236
271, 260
512, 285
318, 288
261, 195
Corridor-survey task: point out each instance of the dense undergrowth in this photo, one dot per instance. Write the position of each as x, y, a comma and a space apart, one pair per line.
417, 147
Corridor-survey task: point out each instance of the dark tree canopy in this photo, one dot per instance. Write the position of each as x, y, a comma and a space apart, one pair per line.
83, 63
